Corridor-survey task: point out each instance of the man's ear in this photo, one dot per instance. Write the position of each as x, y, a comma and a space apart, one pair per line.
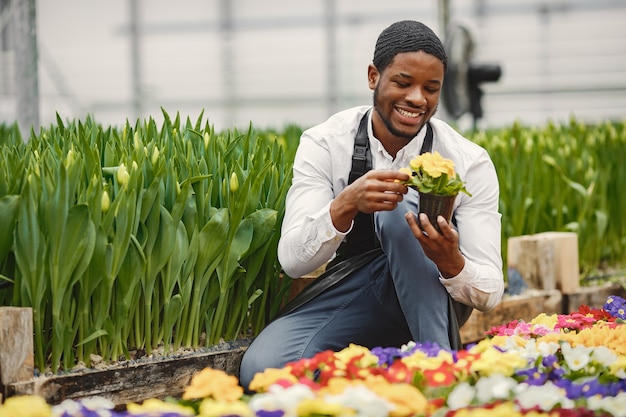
372, 76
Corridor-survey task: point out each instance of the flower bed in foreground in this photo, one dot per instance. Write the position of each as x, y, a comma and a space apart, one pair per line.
559, 365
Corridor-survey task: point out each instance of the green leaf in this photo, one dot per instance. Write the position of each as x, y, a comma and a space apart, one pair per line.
9, 205
239, 245
264, 225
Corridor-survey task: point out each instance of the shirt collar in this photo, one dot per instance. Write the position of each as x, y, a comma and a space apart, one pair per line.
408, 152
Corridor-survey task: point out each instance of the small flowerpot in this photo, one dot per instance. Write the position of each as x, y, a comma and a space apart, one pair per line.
434, 205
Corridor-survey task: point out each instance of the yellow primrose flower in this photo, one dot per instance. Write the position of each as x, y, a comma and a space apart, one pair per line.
25, 406
263, 380
215, 384
407, 399
433, 174
415, 359
433, 164
318, 407
337, 385
154, 405
422, 361
544, 319
505, 409
601, 334
347, 354
493, 361
212, 408
618, 368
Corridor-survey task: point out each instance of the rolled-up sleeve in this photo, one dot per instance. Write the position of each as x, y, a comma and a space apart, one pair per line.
308, 236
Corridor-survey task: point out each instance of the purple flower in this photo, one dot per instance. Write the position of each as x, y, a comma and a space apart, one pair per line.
616, 307
387, 356
533, 376
270, 413
586, 389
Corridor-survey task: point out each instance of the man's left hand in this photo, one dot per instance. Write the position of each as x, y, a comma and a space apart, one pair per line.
442, 248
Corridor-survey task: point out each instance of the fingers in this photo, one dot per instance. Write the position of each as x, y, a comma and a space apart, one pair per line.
377, 191
424, 230
388, 175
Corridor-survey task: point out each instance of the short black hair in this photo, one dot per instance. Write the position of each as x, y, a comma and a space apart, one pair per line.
407, 36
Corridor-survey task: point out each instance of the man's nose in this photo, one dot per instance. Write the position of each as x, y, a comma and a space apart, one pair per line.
416, 97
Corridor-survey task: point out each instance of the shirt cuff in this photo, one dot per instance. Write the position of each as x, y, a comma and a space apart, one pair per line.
328, 230
455, 285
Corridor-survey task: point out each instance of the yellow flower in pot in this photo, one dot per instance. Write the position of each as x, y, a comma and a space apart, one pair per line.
437, 183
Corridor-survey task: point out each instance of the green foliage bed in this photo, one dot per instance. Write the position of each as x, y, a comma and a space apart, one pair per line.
144, 235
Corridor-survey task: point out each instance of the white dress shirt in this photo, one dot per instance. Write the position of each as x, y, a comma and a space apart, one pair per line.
321, 169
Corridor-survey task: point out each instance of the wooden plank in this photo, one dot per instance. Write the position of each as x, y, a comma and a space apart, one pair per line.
525, 307
132, 383
546, 260
16, 345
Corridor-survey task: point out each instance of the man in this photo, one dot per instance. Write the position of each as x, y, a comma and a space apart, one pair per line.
390, 283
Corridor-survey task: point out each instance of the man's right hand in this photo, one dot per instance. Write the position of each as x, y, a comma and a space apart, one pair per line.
376, 190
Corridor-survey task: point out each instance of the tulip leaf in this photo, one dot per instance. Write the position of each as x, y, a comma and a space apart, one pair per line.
8, 213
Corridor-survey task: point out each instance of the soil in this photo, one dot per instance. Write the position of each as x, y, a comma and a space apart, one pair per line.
139, 356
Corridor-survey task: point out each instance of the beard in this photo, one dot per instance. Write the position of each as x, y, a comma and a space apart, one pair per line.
387, 122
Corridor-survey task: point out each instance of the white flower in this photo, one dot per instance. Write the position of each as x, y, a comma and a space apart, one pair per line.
408, 347
603, 355
576, 358
362, 400
77, 408
545, 397
547, 349
461, 396
615, 406
494, 387
280, 398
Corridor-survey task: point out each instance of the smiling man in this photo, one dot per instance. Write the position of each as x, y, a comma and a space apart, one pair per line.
387, 282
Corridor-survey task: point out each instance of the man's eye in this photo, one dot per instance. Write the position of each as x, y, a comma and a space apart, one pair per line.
401, 84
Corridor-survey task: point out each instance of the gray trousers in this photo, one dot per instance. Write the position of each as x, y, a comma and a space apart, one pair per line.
394, 299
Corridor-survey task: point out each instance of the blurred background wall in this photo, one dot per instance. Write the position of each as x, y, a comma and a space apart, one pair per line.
275, 62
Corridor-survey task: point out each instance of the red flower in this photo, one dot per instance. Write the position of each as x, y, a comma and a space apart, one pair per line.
443, 376
398, 372
596, 313
464, 361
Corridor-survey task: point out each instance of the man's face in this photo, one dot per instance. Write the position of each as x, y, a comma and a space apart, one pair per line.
406, 94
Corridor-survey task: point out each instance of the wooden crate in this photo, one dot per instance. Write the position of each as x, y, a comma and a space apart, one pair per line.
546, 260
16, 346
129, 383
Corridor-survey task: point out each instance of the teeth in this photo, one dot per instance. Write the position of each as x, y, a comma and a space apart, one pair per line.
408, 114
